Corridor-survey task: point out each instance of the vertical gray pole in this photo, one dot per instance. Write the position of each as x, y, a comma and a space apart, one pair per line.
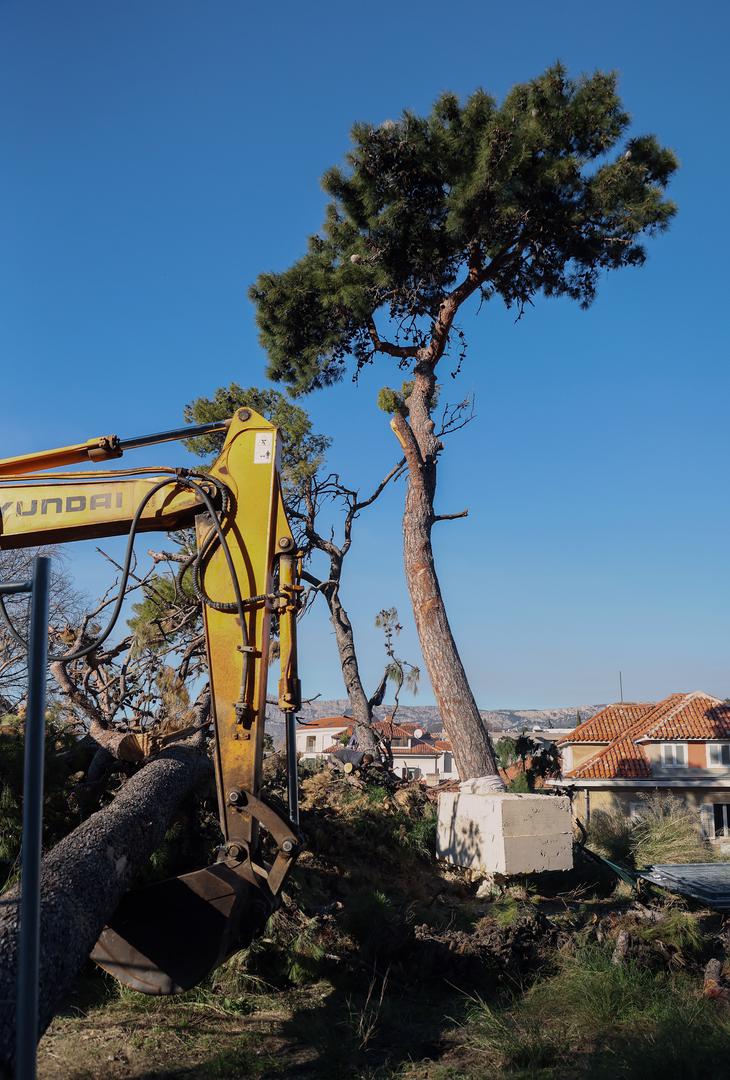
292, 778
30, 898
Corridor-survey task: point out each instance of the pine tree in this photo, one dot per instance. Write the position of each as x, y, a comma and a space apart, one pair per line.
474, 202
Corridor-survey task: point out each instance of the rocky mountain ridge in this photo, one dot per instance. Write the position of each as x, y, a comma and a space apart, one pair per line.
427, 716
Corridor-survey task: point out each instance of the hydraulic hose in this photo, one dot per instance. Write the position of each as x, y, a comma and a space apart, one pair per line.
216, 533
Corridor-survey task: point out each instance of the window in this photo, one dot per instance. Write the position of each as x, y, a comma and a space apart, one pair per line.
311, 742
674, 754
722, 818
719, 754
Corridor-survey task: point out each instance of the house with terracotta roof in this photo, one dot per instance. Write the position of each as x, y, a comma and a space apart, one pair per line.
680, 745
416, 753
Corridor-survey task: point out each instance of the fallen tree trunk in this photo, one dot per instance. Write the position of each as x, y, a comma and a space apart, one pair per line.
84, 878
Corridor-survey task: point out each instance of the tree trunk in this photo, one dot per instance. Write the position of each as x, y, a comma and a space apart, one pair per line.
362, 713
85, 876
454, 699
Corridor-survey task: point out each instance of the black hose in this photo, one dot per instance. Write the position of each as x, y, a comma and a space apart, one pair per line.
237, 606
126, 570
216, 532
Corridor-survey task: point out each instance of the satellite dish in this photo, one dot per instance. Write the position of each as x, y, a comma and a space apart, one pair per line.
418, 733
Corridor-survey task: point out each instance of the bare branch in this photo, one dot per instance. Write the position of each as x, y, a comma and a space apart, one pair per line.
450, 517
394, 473
168, 556
456, 417
476, 276
402, 351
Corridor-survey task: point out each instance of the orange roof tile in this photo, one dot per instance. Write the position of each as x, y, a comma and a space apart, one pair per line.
345, 723
607, 724
397, 731
327, 722
623, 758
676, 717
695, 716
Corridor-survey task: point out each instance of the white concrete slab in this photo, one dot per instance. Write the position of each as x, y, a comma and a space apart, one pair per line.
502, 832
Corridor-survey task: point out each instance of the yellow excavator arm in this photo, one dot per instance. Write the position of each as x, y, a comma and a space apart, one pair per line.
246, 567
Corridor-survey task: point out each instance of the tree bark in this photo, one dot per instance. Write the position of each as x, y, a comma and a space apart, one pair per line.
454, 698
362, 713
84, 878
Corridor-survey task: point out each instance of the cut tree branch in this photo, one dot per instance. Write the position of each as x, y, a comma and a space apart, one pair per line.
450, 517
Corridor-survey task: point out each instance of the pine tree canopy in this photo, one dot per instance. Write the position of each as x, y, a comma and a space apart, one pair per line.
536, 195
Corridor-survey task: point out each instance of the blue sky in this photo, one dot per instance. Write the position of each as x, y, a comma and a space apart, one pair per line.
157, 156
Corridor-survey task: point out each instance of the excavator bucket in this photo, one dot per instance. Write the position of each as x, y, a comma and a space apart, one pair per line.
165, 938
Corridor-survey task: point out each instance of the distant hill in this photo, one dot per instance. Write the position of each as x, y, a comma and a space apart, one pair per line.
427, 716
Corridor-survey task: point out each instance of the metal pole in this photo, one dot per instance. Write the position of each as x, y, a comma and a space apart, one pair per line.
30, 895
292, 778
190, 431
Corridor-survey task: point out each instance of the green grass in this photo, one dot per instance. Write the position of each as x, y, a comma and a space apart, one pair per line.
679, 929
341, 983
247, 1058
419, 833
598, 1019
506, 911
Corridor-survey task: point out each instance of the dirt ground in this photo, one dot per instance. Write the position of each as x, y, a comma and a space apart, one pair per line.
384, 965
119, 1042
311, 1033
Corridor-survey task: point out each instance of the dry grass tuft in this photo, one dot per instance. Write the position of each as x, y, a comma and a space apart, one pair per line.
666, 831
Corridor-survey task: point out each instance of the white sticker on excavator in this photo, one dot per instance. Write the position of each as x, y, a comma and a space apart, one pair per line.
262, 448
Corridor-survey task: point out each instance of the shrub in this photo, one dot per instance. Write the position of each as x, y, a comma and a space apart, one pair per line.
519, 783
419, 832
610, 832
60, 810
304, 955
667, 832
679, 930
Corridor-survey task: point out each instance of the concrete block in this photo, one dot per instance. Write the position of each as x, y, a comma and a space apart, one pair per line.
503, 832
546, 813
538, 853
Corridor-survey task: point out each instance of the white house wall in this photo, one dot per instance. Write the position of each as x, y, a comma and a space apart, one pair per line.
323, 738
